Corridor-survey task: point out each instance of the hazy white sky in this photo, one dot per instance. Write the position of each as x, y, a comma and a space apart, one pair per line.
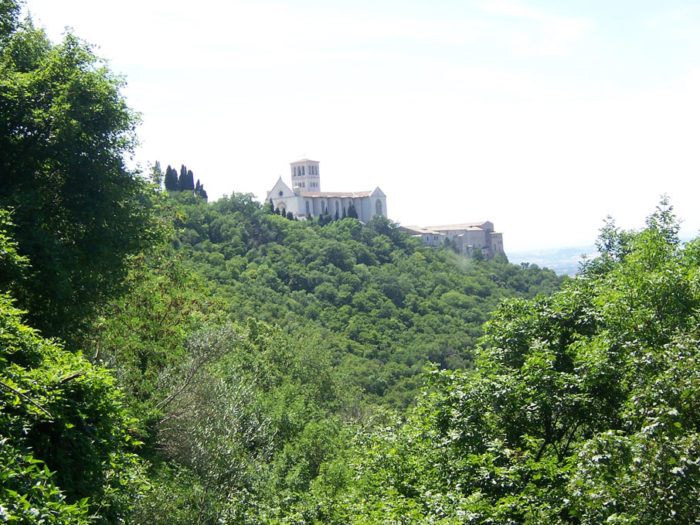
541, 116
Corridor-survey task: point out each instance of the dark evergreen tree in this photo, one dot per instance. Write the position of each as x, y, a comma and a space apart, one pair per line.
352, 212
324, 219
290, 215
186, 180
171, 183
182, 177
200, 191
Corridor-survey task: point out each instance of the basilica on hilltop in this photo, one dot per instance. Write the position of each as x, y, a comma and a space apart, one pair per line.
305, 199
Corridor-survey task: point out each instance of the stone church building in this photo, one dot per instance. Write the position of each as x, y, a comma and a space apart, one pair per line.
464, 238
305, 199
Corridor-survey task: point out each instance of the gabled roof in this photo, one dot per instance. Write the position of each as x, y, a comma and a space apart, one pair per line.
419, 230
279, 186
455, 227
337, 194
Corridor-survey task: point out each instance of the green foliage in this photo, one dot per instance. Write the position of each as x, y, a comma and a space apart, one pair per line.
65, 438
61, 412
250, 420
64, 130
142, 335
581, 409
27, 494
250, 348
13, 266
385, 304
9, 17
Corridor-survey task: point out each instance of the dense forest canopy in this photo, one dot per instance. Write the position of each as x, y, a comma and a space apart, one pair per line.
383, 304
582, 407
165, 359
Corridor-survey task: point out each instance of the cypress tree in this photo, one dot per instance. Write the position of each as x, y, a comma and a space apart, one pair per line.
171, 183
199, 190
182, 177
352, 212
186, 180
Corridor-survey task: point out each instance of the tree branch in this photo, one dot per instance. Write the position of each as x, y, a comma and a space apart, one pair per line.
26, 398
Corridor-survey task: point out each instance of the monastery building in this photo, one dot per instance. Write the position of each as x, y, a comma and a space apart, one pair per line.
465, 238
305, 198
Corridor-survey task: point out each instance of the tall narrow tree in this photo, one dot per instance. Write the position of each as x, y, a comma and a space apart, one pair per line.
199, 190
186, 180
171, 183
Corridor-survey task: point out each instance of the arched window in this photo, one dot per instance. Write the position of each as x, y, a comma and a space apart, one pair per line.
378, 207
281, 193
303, 172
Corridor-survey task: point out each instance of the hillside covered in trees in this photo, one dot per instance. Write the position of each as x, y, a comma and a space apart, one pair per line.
165, 359
381, 303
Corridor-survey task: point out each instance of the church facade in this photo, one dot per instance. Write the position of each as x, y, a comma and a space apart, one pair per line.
304, 199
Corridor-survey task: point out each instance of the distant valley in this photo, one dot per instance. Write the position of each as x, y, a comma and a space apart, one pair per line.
564, 261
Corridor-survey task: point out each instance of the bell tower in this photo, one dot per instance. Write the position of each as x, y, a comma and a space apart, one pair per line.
305, 176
